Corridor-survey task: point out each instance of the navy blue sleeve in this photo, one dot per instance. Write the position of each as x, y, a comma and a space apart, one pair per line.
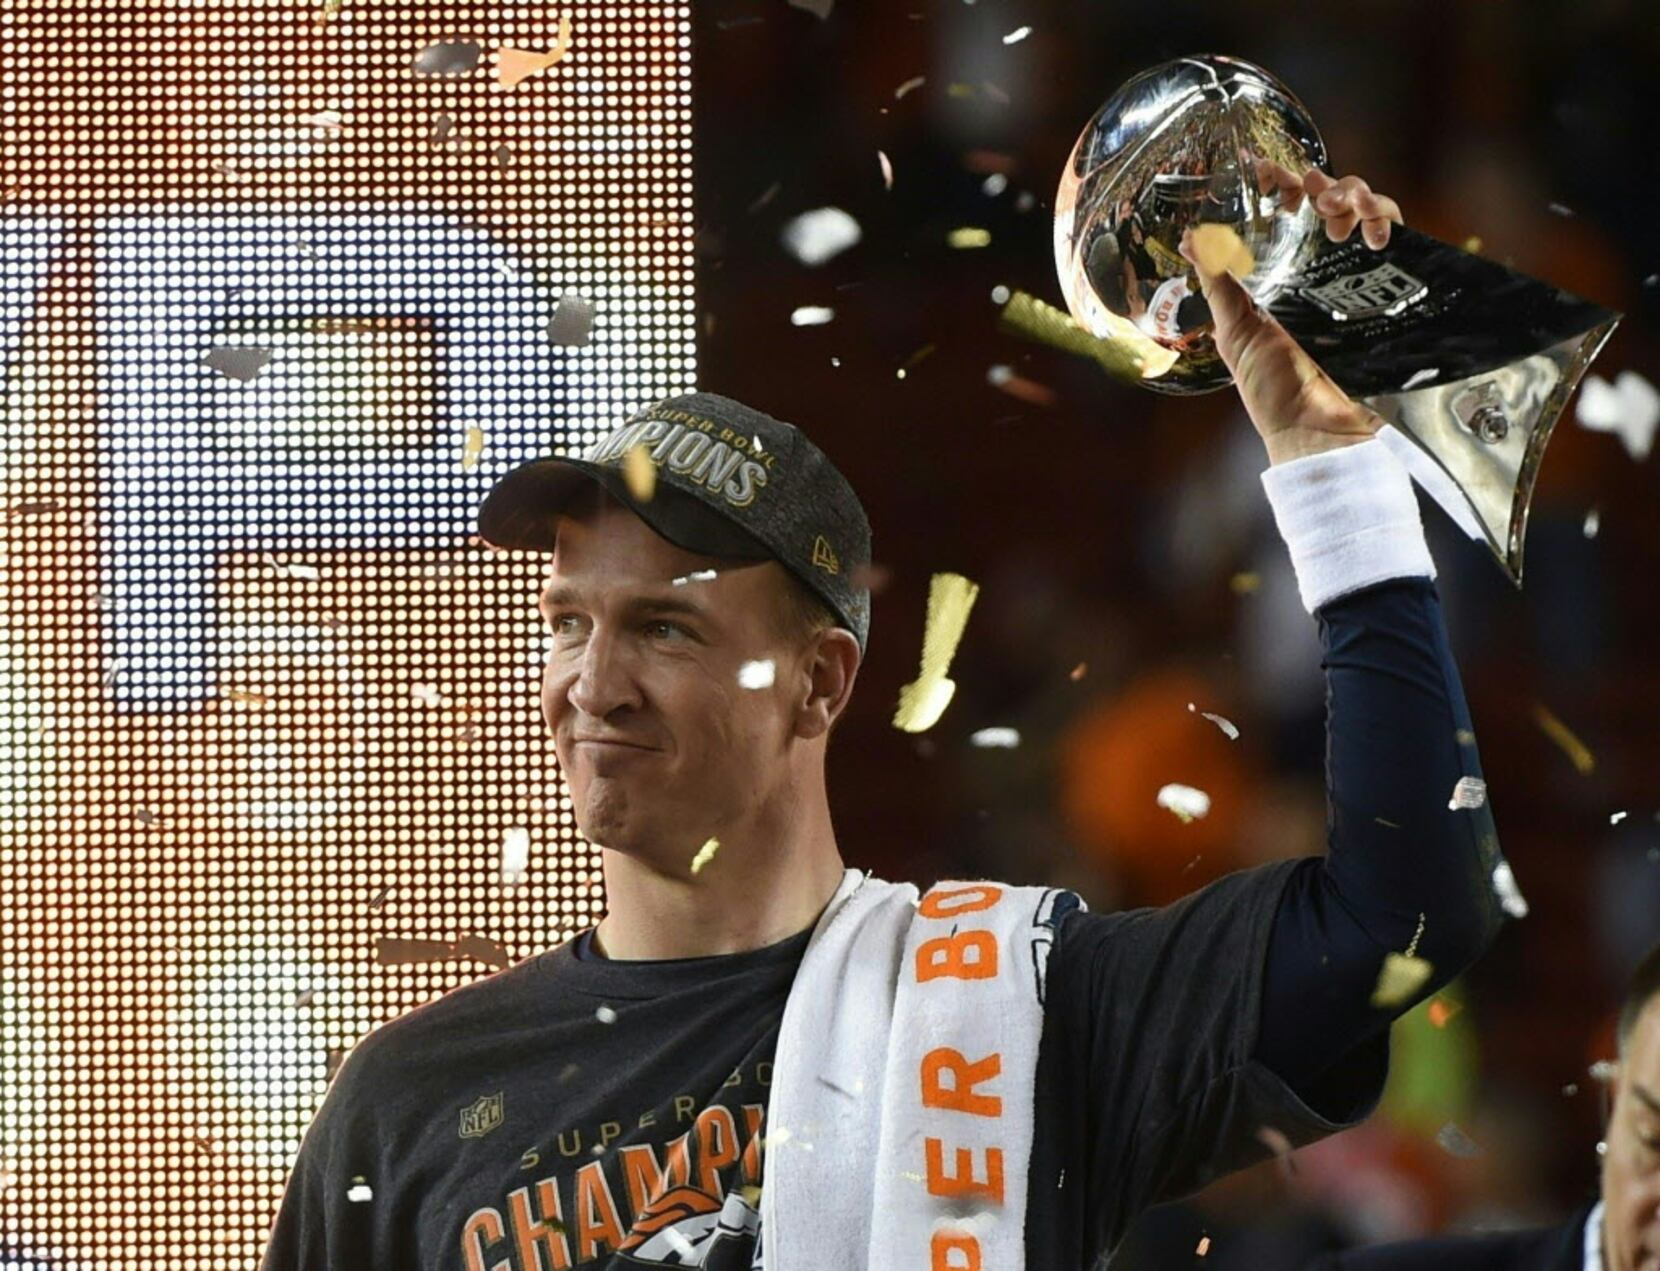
1398, 738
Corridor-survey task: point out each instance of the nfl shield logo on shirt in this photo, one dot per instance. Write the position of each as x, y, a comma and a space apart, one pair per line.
482, 1117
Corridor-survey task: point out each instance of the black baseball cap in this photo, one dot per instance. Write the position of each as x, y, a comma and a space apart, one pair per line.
731, 482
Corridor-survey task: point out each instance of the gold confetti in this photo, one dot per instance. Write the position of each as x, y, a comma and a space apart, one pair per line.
1219, 249
966, 236
705, 854
924, 699
1126, 352
1276, 1142
473, 448
909, 85
514, 66
640, 473
327, 14
404, 951
1578, 753
1245, 583
887, 169
1204, 1246
1078, 672
1017, 385
1440, 1011
251, 699
1399, 980
920, 356
1472, 244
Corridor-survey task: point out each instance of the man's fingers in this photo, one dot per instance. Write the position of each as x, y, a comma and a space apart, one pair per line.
1350, 202
1338, 228
1378, 207
1317, 182
1271, 175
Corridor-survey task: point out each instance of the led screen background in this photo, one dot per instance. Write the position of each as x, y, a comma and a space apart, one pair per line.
269, 706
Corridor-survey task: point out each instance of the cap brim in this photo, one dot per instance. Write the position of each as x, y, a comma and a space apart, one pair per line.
522, 511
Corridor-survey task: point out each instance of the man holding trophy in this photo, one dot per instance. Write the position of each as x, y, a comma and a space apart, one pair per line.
762, 1058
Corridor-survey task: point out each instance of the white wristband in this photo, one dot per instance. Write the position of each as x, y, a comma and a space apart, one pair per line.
1350, 518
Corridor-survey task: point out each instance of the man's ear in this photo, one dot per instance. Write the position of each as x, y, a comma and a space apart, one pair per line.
832, 665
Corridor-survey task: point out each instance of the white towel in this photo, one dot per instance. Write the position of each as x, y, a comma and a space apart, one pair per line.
900, 1121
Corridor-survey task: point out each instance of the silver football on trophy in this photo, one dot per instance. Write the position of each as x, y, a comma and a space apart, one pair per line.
1177, 146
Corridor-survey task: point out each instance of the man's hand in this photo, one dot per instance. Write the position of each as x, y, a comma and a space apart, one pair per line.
1292, 402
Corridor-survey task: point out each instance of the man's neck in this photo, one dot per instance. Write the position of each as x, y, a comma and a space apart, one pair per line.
749, 895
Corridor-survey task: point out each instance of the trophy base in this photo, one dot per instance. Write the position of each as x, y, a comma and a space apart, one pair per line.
1475, 444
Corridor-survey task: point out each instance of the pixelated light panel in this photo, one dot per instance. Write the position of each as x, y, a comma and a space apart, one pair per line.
283, 288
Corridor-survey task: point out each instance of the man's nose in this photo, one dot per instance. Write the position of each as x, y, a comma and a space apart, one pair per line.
605, 679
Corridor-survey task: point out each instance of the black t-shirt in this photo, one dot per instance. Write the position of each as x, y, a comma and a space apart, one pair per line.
576, 1113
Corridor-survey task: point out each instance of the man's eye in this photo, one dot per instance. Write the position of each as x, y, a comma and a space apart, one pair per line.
664, 629
563, 624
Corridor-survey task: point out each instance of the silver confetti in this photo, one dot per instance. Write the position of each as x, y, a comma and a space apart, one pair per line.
515, 856
447, 57
1510, 895
573, 321
606, 1015
239, 362
306, 573
1470, 792
812, 316
758, 674
1629, 408
820, 235
1226, 725
996, 738
1186, 802
1455, 1142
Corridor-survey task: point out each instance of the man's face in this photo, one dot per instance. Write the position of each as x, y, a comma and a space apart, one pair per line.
1631, 1166
660, 745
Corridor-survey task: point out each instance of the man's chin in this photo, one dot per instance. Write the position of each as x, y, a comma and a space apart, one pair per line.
663, 851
